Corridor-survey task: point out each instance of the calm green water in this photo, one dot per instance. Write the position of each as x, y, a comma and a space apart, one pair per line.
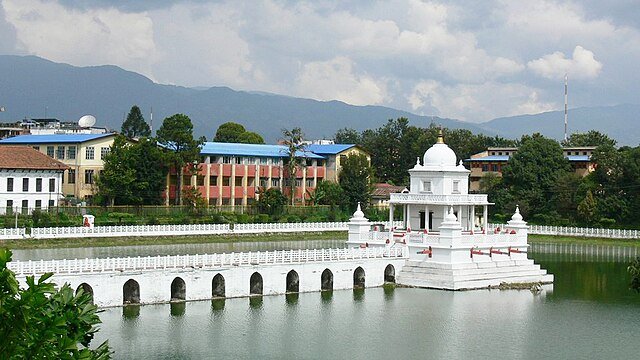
589, 314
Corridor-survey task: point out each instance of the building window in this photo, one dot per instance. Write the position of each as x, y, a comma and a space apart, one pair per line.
426, 186
226, 159
319, 162
104, 151
264, 161
50, 150
9, 184
456, 187
298, 182
275, 182
251, 160
60, 153
309, 183
88, 176
38, 185
200, 180
494, 167
264, 182
9, 206
309, 162
52, 185
89, 153
38, 204
71, 152
238, 181
52, 203
238, 160
72, 176
36, 147
25, 184
275, 161
485, 167
25, 207
226, 180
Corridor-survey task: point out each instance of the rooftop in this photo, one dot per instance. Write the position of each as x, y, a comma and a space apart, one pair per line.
329, 149
258, 150
53, 139
25, 157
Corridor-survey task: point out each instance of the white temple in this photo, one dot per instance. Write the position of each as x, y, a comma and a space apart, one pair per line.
449, 244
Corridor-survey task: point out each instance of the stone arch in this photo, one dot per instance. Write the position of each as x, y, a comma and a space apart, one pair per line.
326, 280
218, 286
390, 274
87, 289
255, 284
131, 292
293, 282
178, 289
358, 278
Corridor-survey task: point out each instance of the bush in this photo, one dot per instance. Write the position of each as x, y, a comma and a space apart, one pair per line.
606, 222
261, 218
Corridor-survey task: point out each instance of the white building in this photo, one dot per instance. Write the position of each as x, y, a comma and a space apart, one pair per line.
28, 179
449, 246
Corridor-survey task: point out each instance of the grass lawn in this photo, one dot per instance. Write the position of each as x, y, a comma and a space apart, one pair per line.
163, 240
541, 239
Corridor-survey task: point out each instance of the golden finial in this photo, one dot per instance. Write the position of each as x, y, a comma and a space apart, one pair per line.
440, 137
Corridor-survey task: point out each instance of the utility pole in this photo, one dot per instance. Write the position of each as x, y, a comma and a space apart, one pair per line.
566, 97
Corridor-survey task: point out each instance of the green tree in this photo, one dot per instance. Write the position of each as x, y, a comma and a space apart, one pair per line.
327, 193
176, 135
229, 132
587, 208
271, 201
151, 170
590, 138
532, 173
135, 126
355, 180
249, 137
42, 322
117, 181
347, 136
292, 139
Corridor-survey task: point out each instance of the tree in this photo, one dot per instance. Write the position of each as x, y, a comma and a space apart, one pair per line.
117, 181
534, 170
42, 322
229, 132
176, 135
347, 136
587, 208
151, 171
327, 193
295, 149
355, 180
590, 138
135, 126
271, 201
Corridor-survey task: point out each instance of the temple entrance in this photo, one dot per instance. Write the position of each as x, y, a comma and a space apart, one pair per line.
423, 221
131, 292
255, 284
358, 278
178, 290
87, 289
326, 280
217, 286
390, 274
293, 282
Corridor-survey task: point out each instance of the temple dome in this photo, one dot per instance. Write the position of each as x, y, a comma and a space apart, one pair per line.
440, 154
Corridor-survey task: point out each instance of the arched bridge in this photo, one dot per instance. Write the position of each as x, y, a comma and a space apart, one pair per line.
158, 279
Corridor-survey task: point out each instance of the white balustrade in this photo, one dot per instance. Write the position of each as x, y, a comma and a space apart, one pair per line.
578, 231
82, 266
462, 199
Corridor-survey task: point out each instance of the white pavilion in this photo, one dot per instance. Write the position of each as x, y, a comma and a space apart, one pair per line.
449, 246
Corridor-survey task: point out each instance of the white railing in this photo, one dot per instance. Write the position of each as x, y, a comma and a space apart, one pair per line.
87, 266
290, 227
462, 199
578, 231
129, 230
12, 233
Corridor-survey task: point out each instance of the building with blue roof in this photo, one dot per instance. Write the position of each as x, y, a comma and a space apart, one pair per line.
234, 174
82, 153
493, 159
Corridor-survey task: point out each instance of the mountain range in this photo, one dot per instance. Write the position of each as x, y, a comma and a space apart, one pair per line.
32, 87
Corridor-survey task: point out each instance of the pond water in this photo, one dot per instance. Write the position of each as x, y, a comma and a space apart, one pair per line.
590, 314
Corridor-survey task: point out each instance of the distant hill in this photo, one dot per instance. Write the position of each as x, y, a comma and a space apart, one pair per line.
621, 122
30, 84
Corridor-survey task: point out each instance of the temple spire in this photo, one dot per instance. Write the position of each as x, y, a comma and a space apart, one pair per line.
440, 137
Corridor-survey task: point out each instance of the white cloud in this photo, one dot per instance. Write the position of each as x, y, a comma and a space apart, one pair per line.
82, 37
336, 79
475, 102
582, 65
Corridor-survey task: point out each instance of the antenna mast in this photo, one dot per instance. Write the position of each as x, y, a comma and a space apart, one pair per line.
566, 87
151, 121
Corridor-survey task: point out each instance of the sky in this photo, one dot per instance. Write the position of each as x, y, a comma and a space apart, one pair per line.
470, 60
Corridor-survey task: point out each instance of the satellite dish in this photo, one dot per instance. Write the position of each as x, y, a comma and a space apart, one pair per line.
87, 121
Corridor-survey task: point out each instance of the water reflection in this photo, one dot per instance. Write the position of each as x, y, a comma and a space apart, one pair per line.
389, 290
131, 312
292, 298
255, 302
358, 294
178, 308
326, 296
217, 304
